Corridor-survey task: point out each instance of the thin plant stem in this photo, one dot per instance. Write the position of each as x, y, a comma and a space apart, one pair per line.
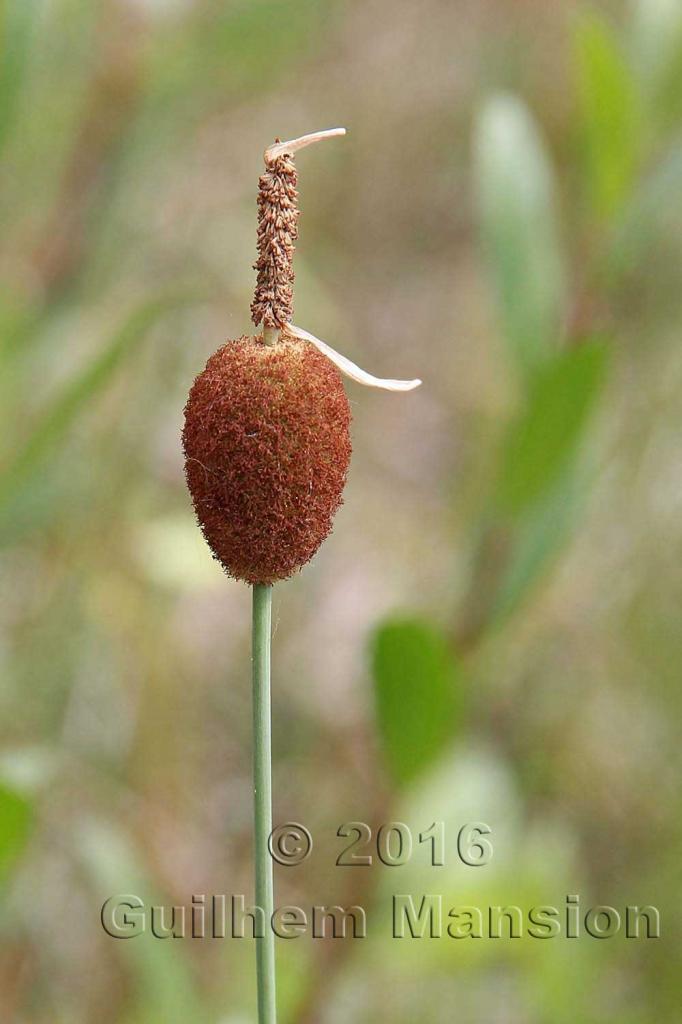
262, 793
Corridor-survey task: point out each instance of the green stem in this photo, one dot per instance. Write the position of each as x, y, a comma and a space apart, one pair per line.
262, 792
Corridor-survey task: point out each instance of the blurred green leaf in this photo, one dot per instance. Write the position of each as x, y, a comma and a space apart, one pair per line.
544, 436
282, 29
17, 20
519, 231
648, 221
610, 115
226, 51
167, 991
15, 825
538, 539
77, 394
657, 43
417, 695
52, 53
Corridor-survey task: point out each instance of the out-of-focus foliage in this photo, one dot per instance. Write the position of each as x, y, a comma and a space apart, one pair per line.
518, 224
503, 221
416, 693
544, 435
81, 389
610, 114
165, 988
15, 820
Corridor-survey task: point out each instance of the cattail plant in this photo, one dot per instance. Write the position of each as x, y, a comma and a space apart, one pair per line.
267, 448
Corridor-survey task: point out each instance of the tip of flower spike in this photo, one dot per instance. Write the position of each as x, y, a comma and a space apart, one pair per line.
293, 145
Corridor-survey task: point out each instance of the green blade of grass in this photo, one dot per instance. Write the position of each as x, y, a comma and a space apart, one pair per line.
77, 395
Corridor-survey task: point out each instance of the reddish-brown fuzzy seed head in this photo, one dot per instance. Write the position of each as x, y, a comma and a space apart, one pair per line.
267, 448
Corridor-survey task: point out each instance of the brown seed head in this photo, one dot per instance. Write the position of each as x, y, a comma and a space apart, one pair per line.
267, 448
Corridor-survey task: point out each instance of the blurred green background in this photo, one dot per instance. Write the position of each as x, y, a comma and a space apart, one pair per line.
491, 633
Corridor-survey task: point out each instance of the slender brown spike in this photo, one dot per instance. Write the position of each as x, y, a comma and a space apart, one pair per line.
272, 304
277, 233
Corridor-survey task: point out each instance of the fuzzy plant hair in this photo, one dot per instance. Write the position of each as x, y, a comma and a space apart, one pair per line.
267, 442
